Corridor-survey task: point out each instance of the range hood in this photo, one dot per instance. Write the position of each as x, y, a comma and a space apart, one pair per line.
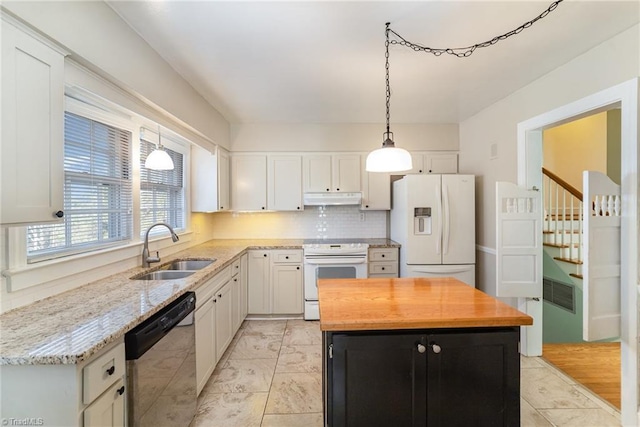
325, 199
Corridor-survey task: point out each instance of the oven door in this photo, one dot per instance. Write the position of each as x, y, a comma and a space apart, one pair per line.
323, 269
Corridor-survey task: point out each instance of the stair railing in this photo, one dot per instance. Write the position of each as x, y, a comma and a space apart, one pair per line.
562, 201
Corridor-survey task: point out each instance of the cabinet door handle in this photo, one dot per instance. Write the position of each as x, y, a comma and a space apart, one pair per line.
421, 348
121, 391
58, 214
219, 295
436, 348
111, 370
337, 189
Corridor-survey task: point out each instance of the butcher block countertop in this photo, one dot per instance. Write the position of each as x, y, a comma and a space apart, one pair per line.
410, 303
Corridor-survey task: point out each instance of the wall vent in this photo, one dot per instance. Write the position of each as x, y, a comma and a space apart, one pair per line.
559, 294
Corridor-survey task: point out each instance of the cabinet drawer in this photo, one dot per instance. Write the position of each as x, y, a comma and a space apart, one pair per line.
386, 254
383, 268
103, 372
286, 256
204, 292
235, 267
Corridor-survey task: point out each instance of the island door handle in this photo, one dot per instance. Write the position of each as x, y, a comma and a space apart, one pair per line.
436, 348
421, 348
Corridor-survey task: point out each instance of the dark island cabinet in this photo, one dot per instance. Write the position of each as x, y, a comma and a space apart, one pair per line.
435, 378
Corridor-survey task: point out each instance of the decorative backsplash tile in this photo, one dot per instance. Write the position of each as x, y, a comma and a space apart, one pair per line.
315, 222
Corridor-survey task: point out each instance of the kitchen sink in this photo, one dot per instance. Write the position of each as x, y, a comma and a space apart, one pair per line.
189, 264
164, 275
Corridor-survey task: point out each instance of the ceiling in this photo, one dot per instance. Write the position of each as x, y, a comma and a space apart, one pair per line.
323, 61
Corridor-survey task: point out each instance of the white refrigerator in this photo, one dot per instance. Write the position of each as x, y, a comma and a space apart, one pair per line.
433, 219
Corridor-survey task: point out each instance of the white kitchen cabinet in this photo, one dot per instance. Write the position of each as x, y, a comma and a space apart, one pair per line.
244, 282
239, 291
383, 262
259, 298
205, 342
212, 334
224, 178
376, 189
286, 285
284, 183
275, 282
209, 180
434, 162
108, 409
249, 182
89, 393
32, 150
331, 172
224, 318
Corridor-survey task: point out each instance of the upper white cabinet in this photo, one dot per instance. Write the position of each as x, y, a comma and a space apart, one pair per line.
32, 150
224, 178
331, 172
209, 180
284, 183
376, 189
434, 163
249, 182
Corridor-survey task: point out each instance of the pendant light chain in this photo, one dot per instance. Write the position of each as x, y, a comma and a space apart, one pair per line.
463, 52
386, 66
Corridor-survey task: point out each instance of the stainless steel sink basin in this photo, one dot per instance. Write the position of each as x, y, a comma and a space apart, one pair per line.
164, 275
189, 264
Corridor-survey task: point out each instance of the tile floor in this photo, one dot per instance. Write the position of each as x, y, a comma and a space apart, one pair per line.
270, 376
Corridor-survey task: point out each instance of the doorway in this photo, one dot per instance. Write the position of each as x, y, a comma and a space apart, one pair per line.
625, 97
590, 143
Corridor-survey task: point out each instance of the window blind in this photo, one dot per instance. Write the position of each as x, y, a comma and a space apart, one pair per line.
161, 192
97, 191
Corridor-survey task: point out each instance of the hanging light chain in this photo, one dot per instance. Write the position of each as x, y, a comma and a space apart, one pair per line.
386, 66
460, 52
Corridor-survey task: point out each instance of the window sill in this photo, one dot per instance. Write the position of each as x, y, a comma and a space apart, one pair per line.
40, 273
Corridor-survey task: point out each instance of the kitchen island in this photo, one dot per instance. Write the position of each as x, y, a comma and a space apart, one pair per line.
418, 352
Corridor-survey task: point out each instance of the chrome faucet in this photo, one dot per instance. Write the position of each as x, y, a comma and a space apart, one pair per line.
146, 259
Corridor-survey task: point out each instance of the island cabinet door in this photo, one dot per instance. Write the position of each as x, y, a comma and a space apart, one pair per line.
473, 379
377, 380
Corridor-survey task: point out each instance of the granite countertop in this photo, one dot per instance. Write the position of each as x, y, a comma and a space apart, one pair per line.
70, 327
410, 303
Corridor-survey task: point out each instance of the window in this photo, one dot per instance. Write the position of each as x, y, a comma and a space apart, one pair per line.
97, 191
161, 192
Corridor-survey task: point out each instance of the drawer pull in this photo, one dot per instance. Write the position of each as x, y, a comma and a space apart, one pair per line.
298, 268
382, 268
111, 370
121, 391
286, 257
382, 255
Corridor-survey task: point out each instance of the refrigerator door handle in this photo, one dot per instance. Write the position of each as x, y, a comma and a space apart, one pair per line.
445, 220
440, 219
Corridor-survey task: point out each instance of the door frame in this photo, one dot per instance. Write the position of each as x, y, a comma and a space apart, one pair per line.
529, 160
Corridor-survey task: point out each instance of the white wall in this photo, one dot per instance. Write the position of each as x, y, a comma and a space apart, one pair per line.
100, 40
341, 137
606, 65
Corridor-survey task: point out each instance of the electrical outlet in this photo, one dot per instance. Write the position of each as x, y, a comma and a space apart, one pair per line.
362, 217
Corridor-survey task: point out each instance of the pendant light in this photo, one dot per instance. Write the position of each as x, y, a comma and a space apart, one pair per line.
389, 158
159, 159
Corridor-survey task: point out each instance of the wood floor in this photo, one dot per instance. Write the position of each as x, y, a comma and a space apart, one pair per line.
594, 365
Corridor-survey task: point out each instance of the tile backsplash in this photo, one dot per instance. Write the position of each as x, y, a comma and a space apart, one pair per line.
315, 222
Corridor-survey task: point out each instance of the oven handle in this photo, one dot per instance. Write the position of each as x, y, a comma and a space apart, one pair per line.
325, 261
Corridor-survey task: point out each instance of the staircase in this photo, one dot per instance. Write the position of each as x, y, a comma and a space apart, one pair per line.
563, 225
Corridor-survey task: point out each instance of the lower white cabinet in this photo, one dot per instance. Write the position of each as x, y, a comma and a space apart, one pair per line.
219, 314
90, 393
383, 262
275, 282
205, 343
108, 409
224, 322
286, 289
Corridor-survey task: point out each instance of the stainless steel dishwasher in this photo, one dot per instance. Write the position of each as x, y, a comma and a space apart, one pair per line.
161, 367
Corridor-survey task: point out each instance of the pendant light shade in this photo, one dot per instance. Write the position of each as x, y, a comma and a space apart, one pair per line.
389, 158
159, 159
